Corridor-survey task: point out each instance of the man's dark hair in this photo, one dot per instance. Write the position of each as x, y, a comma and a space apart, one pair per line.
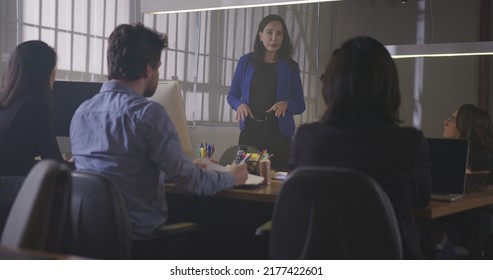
131, 48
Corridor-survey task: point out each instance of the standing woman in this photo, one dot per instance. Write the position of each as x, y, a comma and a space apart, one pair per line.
26, 130
266, 92
474, 124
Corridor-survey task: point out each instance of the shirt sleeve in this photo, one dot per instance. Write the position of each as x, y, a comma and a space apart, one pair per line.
166, 152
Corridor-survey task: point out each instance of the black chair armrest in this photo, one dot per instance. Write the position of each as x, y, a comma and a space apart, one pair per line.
264, 228
177, 228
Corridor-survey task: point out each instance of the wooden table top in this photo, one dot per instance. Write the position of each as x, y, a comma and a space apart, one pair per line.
10, 253
436, 209
264, 193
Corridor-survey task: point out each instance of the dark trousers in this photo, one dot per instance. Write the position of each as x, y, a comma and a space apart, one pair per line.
154, 249
272, 140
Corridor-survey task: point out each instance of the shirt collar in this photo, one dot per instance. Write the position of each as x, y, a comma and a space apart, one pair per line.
113, 86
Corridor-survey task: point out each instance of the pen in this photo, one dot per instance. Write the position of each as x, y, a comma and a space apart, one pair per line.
244, 160
201, 152
206, 151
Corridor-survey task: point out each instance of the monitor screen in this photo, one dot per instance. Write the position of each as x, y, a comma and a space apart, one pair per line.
68, 95
168, 94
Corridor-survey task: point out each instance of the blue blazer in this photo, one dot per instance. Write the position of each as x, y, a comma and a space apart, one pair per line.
289, 89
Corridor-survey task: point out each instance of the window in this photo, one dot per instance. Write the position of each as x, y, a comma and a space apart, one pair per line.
78, 30
220, 38
202, 54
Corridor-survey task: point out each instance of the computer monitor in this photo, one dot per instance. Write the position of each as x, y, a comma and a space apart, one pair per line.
168, 94
68, 95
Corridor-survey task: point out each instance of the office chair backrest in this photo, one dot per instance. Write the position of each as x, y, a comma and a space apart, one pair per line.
229, 155
333, 213
100, 222
39, 218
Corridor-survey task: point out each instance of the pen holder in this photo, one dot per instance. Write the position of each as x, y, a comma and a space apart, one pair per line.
264, 170
252, 167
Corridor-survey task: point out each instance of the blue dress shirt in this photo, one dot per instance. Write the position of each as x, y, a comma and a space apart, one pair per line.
133, 141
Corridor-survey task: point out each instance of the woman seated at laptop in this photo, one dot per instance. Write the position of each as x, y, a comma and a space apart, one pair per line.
359, 130
472, 123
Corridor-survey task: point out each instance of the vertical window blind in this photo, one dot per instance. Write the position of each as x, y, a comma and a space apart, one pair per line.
203, 50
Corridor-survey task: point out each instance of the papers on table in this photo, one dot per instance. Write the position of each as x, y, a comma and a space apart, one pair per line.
252, 179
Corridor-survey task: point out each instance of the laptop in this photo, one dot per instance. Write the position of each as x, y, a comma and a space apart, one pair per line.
448, 168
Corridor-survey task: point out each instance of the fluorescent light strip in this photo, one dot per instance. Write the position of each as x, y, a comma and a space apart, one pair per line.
213, 7
441, 50
440, 55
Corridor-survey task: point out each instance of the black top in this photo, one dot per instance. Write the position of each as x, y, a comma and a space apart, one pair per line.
397, 158
481, 159
263, 91
26, 132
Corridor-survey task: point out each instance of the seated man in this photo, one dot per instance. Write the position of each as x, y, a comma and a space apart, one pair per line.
131, 140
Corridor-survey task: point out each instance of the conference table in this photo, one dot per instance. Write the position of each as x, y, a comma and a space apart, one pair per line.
232, 216
11, 253
436, 209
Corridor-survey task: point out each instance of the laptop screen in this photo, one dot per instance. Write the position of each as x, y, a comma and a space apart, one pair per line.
448, 165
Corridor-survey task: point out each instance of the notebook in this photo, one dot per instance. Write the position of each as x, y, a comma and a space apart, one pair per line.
448, 168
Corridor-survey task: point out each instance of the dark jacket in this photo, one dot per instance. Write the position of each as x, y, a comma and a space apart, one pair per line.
481, 159
397, 158
26, 132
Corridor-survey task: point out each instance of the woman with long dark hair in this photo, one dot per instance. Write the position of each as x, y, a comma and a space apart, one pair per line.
474, 124
26, 130
360, 130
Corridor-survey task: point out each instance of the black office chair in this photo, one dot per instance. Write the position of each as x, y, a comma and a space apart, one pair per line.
100, 222
333, 213
40, 217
